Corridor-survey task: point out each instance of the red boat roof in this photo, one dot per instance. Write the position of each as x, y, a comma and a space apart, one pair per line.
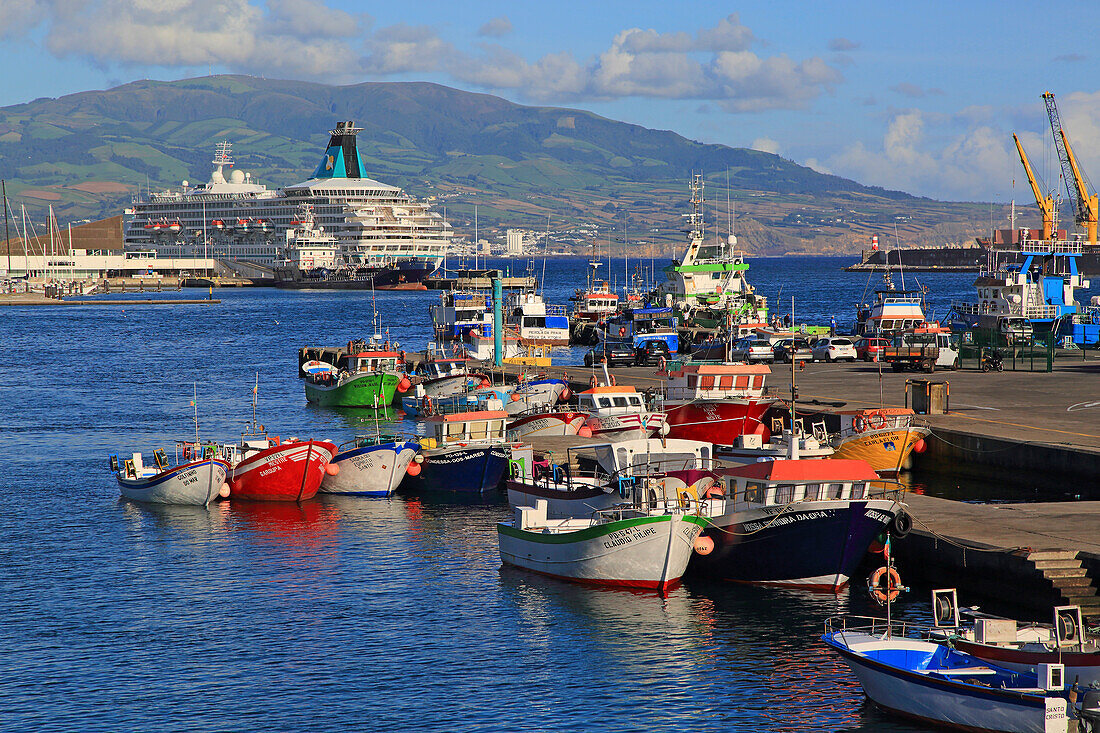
803, 471
376, 354
883, 410
624, 389
723, 369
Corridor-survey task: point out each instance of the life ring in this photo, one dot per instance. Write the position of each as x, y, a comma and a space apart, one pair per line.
661, 364
612, 380
893, 585
428, 404
592, 382
881, 420
859, 423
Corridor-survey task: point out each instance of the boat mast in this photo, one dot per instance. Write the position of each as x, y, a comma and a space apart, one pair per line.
195, 404
7, 235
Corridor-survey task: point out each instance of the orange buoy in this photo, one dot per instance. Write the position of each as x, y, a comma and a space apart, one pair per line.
223, 492
332, 469
404, 384
920, 446
584, 431
413, 469
703, 545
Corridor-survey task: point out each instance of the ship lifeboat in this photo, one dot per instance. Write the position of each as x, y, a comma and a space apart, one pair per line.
218, 224
175, 226
262, 225
242, 224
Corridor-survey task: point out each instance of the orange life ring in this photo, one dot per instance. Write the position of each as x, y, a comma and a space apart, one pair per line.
893, 585
661, 363
612, 380
881, 420
428, 404
859, 423
592, 382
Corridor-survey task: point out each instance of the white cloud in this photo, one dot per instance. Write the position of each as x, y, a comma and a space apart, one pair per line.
19, 16
499, 26
765, 145
403, 48
298, 37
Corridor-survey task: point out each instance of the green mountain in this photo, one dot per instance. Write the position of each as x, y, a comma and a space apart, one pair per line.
88, 153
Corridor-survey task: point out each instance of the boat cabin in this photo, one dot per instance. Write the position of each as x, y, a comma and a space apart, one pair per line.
860, 421
458, 312
636, 326
716, 382
646, 456
440, 368
468, 427
892, 311
595, 303
536, 321
780, 482
370, 361
603, 401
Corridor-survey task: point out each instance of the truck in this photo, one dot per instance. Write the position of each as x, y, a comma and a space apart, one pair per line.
922, 350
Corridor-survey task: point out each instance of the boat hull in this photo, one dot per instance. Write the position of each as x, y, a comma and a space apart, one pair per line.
887, 450
719, 422
1082, 667
946, 702
463, 470
372, 470
196, 484
405, 275
285, 472
815, 546
541, 424
643, 552
626, 427
367, 390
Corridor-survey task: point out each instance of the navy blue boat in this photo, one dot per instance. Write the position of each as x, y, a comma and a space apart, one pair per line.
466, 452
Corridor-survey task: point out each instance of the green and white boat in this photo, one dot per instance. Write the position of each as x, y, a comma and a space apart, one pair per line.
633, 547
367, 378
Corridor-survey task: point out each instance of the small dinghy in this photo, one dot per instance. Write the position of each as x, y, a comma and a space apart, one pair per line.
196, 478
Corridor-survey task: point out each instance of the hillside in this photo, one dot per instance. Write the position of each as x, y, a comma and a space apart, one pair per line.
88, 153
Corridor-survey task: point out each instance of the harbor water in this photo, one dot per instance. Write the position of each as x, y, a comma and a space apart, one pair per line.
348, 613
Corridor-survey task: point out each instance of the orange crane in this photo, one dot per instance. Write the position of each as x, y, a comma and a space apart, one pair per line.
1085, 206
1045, 203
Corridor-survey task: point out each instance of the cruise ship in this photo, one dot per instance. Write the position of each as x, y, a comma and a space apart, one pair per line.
383, 234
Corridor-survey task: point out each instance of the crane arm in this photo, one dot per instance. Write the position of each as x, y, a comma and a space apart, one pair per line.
1045, 203
1086, 204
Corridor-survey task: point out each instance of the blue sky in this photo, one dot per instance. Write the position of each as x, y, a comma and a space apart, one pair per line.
921, 97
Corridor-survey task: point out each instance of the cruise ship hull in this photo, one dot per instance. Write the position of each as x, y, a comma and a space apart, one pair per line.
402, 276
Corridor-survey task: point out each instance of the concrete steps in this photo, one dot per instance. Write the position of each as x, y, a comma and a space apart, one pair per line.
1068, 578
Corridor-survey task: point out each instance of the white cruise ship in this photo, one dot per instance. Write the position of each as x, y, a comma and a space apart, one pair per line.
378, 227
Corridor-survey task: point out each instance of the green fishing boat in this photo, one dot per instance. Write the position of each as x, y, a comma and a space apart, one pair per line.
362, 379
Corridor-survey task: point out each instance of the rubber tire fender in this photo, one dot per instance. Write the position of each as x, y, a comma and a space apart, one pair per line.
901, 525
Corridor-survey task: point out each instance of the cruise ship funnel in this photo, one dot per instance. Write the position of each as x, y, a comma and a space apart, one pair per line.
341, 157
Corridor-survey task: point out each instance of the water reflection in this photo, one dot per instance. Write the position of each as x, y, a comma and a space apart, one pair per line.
311, 525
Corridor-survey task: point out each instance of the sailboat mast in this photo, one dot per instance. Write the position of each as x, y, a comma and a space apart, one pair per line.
7, 235
195, 404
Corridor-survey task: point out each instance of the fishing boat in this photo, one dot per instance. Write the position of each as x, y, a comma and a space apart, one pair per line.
602, 476
716, 403
458, 312
634, 328
619, 413
196, 477
595, 303
905, 673
1021, 647
892, 312
367, 378
372, 466
750, 447
271, 469
540, 391
793, 523
885, 437
465, 452
542, 422
438, 377
535, 321
641, 546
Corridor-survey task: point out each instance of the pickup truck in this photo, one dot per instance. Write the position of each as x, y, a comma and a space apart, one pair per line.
921, 351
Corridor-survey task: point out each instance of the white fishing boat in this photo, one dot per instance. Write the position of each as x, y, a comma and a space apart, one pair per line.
197, 477
542, 422
535, 321
372, 466
620, 413
645, 546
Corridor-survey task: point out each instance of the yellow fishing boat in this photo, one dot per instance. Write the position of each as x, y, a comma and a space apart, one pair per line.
884, 437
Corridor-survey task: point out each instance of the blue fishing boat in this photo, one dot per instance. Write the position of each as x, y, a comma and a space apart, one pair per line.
904, 672
636, 327
465, 452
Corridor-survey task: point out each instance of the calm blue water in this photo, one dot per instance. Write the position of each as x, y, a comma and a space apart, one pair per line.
343, 613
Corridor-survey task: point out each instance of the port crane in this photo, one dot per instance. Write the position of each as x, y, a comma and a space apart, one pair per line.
1045, 203
1085, 206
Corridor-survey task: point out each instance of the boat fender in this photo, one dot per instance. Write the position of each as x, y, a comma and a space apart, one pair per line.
920, 446
413, 468
332, 469
859, 423
878, 423
428, 404
901, 525
703, 545
223, 492
890, 592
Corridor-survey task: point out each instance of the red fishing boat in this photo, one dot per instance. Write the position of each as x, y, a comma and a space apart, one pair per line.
716, 403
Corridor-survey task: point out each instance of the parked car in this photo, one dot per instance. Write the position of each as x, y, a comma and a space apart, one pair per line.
796, 348
752, 349
869, 348
651, 353
612, 354
834, 348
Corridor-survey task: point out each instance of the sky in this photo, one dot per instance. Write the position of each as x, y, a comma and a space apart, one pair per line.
921, 97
